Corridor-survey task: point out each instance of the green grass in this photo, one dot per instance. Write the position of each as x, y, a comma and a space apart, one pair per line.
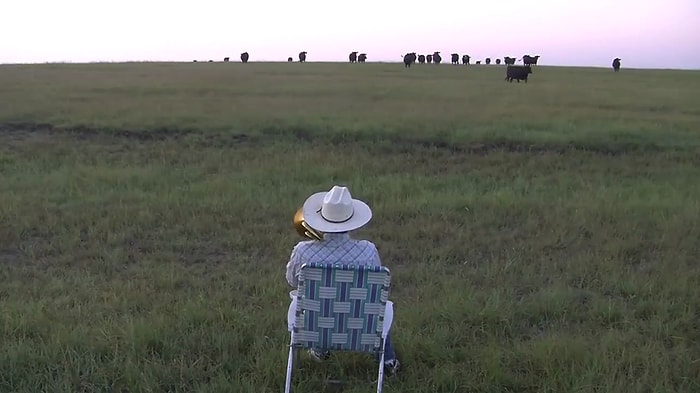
543, 237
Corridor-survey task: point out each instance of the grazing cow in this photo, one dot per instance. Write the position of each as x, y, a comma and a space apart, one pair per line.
194, 61
518, 73
289, 59
616, 64
530, 60
465, 59
478, 62
509, 60
211, 61
362, 58
302, 57
421, 59
353, 57
429, 58
437, 58
455, 58
498, 61
245, 57
488, 60
409, 59
225, 59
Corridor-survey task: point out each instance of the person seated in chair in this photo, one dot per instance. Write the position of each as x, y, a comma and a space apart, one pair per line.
336, 213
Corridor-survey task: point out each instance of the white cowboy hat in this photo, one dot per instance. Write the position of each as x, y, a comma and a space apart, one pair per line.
335, 211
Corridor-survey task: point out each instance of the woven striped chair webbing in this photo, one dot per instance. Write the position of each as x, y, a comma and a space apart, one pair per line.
341, 307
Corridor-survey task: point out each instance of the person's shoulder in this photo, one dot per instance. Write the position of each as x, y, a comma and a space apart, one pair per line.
304, 244
367, 244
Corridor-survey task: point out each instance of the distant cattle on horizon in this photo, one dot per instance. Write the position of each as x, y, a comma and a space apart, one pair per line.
616, 64
409, 59
530, 60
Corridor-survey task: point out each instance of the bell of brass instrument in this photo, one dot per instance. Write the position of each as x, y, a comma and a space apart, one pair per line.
304, 229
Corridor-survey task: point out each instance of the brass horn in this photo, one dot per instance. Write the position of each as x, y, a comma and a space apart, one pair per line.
304, 229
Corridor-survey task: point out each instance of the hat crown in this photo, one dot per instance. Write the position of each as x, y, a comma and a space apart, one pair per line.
337, 205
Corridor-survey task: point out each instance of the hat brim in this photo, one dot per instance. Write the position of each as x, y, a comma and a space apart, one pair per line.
311, 210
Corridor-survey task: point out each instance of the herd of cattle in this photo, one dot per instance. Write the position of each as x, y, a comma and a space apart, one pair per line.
411, 58
513, 72
517, 72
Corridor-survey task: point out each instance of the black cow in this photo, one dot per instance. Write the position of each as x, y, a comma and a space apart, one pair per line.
530, 60
478, 62
362, 57
518, 73
409, 59
302, 57
488, 60
353, 57
498, 61
289, 59
616, 64
429, 58
244, 57
421, 59
455, 58
509, 60
225, 59
465, 59
437, 58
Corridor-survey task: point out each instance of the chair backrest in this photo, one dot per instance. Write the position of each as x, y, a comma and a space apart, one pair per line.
341, 307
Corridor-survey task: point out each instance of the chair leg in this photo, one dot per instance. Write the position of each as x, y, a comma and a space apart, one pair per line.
290, 366
380, 380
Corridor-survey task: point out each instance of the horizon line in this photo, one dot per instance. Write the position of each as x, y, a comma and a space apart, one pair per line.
326, 62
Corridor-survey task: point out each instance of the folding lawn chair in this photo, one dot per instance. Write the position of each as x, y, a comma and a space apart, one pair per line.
340, 308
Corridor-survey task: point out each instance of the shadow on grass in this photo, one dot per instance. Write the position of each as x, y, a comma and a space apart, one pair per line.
383, 141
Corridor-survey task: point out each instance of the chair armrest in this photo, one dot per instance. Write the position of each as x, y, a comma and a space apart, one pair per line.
291, 315
388, 318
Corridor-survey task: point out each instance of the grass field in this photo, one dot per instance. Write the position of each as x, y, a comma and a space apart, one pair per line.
543, 237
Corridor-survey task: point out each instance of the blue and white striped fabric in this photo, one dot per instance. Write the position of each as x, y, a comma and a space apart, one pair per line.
341, 307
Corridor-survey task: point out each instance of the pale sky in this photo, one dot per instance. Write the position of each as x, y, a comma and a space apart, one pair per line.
644, 33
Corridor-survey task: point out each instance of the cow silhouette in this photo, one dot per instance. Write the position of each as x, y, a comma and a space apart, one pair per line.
616, 64
518, 73
409, 59
530, 60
